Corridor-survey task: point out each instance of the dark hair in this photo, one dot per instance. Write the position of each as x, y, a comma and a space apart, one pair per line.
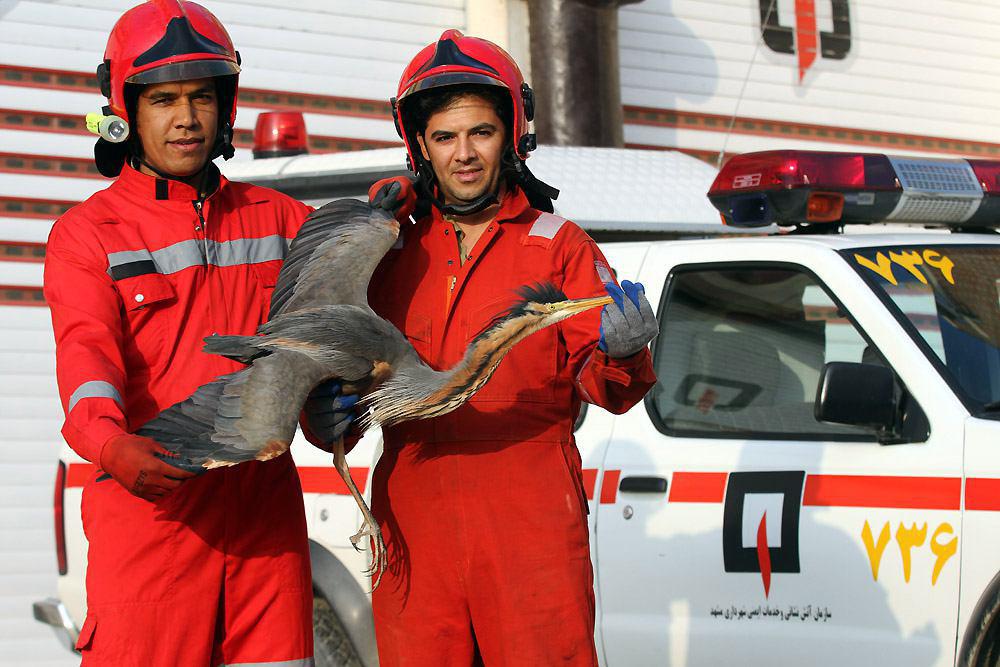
422, 106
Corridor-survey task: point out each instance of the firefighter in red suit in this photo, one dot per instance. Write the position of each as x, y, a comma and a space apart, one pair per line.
484, 510
183, 570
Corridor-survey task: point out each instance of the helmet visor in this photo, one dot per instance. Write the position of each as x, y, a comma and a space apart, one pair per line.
451, 79
185, 71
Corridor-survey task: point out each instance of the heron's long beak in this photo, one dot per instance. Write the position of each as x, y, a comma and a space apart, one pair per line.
579, 305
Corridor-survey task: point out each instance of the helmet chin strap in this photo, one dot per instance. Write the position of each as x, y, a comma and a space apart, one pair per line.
477, 205
426, 182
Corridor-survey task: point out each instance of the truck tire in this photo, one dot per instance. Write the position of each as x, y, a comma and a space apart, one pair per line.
981, 647
332, 648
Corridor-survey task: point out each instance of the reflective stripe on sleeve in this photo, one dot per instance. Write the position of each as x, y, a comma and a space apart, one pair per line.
94, 389
186, 254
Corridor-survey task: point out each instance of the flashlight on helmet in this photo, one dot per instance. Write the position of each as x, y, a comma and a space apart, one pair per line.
110, 128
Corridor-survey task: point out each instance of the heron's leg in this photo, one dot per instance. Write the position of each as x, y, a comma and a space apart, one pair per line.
370, 528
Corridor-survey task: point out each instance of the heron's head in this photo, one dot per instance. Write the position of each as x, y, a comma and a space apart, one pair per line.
539, 306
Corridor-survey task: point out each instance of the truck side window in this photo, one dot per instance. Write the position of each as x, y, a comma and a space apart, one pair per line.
741, 350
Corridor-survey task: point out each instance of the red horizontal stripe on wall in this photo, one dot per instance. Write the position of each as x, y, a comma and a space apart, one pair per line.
932, 493
48, 165
609, 487
320, 479
22, 251
697, 487
86, 82
19, 295
765, 127
982, 494
23, 207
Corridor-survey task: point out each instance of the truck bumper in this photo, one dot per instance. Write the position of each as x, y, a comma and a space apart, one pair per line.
52, 611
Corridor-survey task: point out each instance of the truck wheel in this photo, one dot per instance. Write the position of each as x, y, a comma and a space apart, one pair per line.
332, 648
982, 646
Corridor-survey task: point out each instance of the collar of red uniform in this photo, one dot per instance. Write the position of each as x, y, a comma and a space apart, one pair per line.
512, 207
166, 189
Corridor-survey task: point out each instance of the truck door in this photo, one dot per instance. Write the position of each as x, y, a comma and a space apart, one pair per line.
735, 528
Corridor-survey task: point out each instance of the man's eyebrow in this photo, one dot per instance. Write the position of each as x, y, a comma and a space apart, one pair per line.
160, 94
477, 128
203, 90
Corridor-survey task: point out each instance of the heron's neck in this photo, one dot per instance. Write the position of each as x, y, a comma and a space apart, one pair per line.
420, 392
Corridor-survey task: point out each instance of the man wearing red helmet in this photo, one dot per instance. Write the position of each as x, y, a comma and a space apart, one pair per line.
182, 570
484, 510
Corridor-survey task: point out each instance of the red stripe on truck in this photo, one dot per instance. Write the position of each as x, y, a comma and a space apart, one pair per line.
982, 494
698, 487
315, 479
609, 486
931, 493
77, 474
589, 481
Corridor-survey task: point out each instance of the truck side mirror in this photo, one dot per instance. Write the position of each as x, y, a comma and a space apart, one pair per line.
857, 395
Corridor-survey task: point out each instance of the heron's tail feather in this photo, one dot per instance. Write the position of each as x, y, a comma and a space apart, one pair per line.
237, 348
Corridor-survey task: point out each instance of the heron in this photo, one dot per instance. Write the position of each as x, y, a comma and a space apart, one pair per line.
320, 327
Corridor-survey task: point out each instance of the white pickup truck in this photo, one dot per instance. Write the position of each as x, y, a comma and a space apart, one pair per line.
815, 479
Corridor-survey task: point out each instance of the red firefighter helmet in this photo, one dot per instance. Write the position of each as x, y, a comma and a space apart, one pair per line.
166, 40
456, 60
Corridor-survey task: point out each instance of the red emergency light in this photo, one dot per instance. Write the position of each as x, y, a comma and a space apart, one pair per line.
795, 187
280, 134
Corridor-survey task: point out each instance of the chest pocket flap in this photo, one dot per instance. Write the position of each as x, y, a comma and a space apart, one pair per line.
138, 292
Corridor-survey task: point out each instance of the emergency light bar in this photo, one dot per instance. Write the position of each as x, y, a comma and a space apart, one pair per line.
794, 187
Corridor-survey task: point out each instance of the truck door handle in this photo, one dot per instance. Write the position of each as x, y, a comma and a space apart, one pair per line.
643, 484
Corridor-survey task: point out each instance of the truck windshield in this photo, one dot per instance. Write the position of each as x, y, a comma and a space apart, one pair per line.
948, 296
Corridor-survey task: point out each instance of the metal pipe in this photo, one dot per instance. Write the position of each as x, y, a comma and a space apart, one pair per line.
575, 71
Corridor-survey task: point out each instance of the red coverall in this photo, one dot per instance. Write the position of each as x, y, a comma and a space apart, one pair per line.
218, 571
484, 510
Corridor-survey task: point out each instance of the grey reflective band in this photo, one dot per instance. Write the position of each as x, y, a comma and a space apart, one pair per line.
547, 226
94, 389
247, 251
304, 662
186, 254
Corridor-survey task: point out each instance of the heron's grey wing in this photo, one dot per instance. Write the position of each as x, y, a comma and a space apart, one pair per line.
331, 259
246, 415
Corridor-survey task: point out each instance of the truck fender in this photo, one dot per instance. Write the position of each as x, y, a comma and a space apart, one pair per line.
351, 604
983, 627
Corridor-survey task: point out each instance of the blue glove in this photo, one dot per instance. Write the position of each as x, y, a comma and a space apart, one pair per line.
328, 412
627, 325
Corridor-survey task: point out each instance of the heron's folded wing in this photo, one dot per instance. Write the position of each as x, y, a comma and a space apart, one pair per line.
333, 256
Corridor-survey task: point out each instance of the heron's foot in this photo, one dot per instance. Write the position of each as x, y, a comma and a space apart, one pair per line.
379, 557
